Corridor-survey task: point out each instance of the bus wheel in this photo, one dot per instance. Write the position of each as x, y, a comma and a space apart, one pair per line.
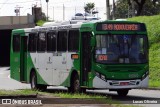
82, 90
42, 87
75, 85
34, 85
122, 92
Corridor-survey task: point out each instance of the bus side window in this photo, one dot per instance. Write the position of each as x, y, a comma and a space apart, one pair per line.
62, 41
16, 43
51, 41
73, 40
32, 45
41, 46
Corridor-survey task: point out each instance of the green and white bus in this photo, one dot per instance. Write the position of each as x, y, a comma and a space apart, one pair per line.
94, 55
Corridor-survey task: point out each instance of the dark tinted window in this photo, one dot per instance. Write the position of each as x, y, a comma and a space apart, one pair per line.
121, 49
42, 42
73, 40
16, 43
51, 41
79, 14
62, 41
32, 45
25, 45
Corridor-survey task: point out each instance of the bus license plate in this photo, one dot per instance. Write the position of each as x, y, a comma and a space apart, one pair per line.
124, 83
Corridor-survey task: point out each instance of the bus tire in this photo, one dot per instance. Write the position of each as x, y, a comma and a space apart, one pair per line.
83, 90
42, 87
75, 84
34, 85
123, 93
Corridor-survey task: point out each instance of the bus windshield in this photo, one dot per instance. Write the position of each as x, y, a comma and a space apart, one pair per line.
112, 49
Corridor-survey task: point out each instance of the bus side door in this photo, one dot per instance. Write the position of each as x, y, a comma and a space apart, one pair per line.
23, 58
19, 57
15, 57
85, 57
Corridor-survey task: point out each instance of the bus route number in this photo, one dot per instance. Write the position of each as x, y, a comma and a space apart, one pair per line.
102, 57
131, 27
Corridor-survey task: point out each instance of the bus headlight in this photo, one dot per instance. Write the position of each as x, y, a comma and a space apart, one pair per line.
145, 75
101, 76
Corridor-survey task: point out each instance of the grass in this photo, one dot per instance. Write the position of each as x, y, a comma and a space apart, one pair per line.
17, 92
95, 97
40, 22
77, 95
154, 83
100, 98
153, 28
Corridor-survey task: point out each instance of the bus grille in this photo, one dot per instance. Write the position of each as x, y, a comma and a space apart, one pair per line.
120, 83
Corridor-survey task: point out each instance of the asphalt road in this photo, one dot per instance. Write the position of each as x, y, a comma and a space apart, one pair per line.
7, 83
134, 95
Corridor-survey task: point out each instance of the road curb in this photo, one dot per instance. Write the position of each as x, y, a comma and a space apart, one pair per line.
151, 89
18, 96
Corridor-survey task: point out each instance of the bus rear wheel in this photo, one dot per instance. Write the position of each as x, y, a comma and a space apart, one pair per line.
123, 92
34, 85
75, 85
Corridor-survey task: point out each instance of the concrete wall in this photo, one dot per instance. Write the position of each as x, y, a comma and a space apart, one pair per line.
14, 20
19, 20
5, 20
7, 23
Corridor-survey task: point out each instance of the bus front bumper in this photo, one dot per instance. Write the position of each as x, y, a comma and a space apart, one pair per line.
120, 84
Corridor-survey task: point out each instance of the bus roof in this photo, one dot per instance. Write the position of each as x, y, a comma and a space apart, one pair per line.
68, 25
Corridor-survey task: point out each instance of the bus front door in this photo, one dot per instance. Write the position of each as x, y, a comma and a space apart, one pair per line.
23, 58
85, 57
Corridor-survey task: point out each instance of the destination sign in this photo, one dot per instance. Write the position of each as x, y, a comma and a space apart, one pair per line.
120, 27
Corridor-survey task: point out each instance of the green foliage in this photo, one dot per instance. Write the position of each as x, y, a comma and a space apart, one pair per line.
40, 22
89, 7
153, 28
150, 9
154, 83
18, 92
96, 97
77, 95
123, 8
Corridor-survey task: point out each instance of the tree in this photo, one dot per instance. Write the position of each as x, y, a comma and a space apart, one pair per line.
121, 9
44, 17
147, 7
154, 2
140, 4
150, 8
89, 7
124, 8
